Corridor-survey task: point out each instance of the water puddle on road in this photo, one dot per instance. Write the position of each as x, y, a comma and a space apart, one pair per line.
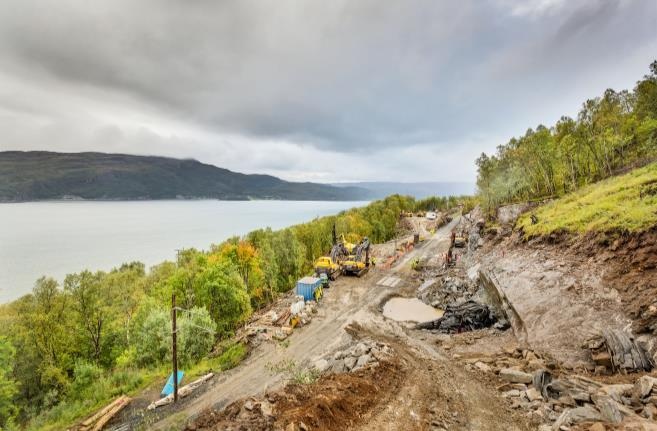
410, 310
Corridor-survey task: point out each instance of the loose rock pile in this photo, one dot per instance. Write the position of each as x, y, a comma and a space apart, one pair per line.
616, 350
451, 290
559, 403
364, 353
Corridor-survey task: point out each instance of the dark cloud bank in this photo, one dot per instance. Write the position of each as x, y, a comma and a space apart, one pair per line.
328, 91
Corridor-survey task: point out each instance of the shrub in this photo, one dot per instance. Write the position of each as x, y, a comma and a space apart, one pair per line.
195, 335
152, 340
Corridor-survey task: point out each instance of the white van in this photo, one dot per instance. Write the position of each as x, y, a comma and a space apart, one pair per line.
431, 215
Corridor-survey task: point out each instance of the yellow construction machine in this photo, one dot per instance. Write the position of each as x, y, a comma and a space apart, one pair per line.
358, 263
348, 246
331, 265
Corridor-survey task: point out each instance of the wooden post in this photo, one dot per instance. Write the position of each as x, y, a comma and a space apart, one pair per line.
174, 348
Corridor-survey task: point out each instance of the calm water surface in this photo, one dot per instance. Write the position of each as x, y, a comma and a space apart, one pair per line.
57, 238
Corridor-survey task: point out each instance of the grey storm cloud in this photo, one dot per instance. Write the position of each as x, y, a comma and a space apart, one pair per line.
339, 76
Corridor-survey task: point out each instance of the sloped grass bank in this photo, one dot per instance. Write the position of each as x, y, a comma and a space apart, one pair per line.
626, 203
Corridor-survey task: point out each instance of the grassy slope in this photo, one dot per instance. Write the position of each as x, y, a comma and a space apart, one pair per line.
131, 382
610, 205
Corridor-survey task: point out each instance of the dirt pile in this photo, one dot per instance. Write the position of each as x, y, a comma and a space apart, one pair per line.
334, 402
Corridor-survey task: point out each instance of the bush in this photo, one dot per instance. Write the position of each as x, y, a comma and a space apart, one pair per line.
195, 335
152, 340
85, 375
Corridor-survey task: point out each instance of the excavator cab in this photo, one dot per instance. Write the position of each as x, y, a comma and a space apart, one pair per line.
348, 246
331, 265
358, 263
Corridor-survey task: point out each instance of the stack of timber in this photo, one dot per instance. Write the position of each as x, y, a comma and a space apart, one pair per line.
103, 416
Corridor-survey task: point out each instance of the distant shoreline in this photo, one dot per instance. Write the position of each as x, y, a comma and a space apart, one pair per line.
177, 200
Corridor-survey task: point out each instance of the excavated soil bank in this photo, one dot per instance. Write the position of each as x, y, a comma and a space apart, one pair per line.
627, 263
570, 287
334, 402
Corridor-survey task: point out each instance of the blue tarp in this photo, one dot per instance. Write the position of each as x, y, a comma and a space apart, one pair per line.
168, 388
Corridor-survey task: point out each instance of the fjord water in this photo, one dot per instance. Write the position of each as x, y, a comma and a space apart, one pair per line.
57, 238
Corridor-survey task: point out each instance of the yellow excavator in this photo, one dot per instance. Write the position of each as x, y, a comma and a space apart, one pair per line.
358, 263
331, 265
348, 246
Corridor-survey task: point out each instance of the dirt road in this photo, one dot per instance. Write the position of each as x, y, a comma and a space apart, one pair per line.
432, 388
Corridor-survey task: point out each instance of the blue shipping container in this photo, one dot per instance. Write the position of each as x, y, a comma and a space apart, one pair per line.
307, 286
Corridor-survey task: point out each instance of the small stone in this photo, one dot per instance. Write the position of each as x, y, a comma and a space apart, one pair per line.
643, 386
266, 409
350, 362
508, 386
617, 392
338, 366
533, 395
338, 355
303, 427
535, 364
597, 427
248, 405
513, 393
650, 412
515, 376
361, 349
565, 400
363, 360
321, 365
579, 414
609, 409
483, 367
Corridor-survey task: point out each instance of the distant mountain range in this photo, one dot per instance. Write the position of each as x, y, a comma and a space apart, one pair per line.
41, 175
379, 190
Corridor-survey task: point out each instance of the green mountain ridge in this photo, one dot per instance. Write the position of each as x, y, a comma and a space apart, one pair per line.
44, 175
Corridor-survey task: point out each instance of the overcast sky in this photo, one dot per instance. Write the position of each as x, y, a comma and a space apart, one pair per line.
310, 90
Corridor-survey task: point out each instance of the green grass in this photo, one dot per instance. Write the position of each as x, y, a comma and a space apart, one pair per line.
231, 356
103, 391
613, 205
128, 381
294, 372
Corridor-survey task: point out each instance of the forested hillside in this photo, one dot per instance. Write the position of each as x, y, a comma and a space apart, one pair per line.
615, 131
67, 349
39, 175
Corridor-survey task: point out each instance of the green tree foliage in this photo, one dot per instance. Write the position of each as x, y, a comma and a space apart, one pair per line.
611, 132
152, 336
8, 387
221, 288
196, 331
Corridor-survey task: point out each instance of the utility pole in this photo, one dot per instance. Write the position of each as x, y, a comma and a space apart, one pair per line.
174, 348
